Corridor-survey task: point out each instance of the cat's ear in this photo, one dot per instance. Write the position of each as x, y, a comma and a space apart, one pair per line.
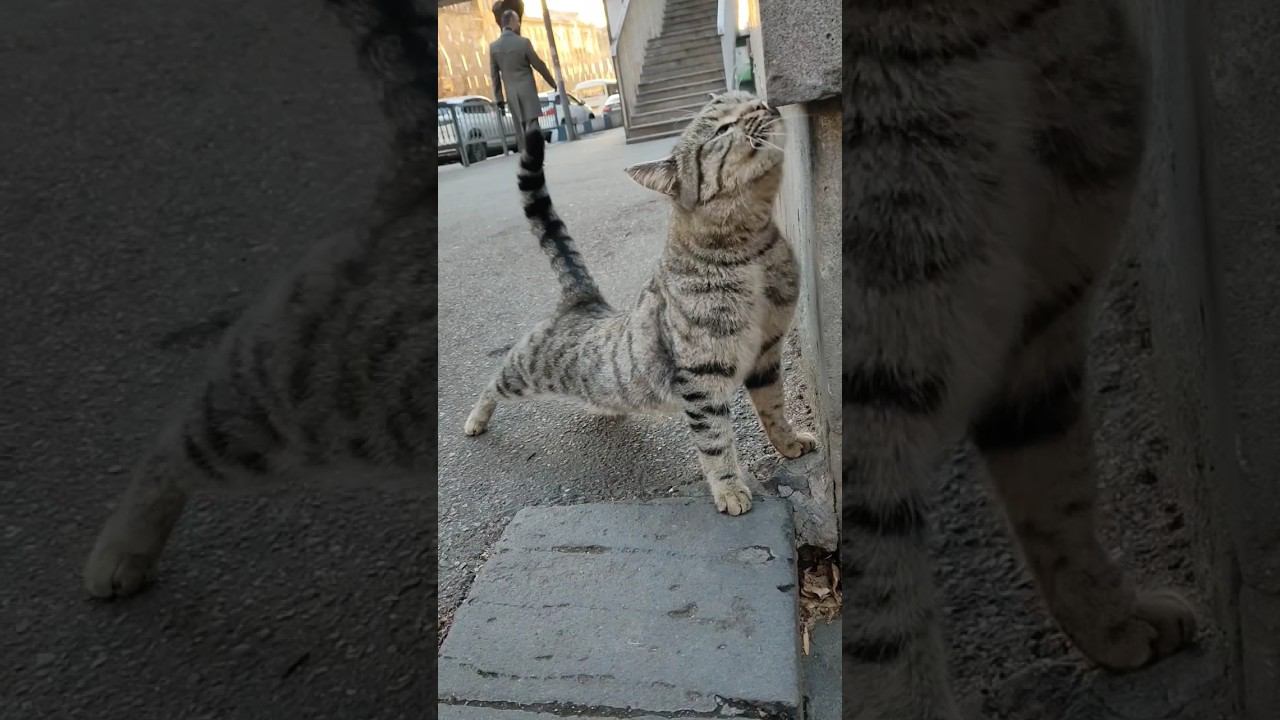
658, 175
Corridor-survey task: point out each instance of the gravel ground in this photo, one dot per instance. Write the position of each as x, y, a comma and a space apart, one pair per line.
160, 163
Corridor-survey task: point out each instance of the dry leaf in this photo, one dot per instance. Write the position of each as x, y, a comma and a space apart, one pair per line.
820, 598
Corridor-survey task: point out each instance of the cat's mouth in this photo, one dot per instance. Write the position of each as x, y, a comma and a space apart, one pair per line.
764, 131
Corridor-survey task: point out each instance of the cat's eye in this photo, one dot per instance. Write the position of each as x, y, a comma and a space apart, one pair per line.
722, 130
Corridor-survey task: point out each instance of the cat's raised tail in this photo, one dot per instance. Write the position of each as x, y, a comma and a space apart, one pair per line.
577, 288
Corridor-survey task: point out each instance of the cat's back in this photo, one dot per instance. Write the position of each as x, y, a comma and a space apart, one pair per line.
957, 112
1064, 72
1087, 76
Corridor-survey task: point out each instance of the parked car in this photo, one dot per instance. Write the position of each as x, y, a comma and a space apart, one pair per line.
552, 115
477, 120
612, 104
595, 92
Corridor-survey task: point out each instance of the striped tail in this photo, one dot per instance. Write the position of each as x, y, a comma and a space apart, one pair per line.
576, 286
396, 47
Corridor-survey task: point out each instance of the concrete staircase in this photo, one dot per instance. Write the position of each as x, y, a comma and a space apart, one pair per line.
681, 66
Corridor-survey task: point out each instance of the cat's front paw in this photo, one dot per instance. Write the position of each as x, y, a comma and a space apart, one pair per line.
1162, 623
796, 445
731, 496
475, 424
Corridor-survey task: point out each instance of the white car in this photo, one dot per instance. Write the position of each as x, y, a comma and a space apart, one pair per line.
477, 120
594, 93
552, 115
612, 105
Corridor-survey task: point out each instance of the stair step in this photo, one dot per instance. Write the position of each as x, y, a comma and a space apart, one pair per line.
697, 13
699, 30
673, 20
688, 58
653, 130
690, 24
686, 112
694, 43
679, 79
685, 39
655, 52
676, 7
645, 103
631, 140
682, 96
701, 59
657, 76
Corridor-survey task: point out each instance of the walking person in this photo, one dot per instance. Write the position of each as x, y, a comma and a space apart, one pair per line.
512, 61
501, 6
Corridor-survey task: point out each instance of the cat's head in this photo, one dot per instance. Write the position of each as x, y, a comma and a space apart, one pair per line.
732, 150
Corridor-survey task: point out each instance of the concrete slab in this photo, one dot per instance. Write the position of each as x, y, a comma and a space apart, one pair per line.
463, 712
821, 670
660, 607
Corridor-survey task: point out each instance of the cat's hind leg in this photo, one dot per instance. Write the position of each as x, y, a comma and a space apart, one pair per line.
1037, 441
765, 386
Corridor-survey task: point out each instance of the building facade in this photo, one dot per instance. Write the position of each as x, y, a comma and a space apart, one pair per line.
467, 28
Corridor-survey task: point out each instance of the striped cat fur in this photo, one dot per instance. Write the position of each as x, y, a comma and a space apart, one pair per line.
990, 150
710, 320
333, 372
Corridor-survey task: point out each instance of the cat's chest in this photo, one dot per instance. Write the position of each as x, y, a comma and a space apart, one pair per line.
731, 321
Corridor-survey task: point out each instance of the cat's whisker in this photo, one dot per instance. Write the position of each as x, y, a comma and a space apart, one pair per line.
766, 143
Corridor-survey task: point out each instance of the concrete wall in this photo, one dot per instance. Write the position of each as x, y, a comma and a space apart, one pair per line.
802, 78
1207, 220
801, 48
727, 21
613, 13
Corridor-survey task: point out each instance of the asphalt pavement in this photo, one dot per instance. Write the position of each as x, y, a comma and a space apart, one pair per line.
158, 164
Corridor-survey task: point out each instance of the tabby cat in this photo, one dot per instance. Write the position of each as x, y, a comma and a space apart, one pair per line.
710, 319
335, 368
990, 151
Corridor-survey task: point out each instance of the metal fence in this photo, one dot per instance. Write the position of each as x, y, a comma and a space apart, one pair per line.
473, 130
